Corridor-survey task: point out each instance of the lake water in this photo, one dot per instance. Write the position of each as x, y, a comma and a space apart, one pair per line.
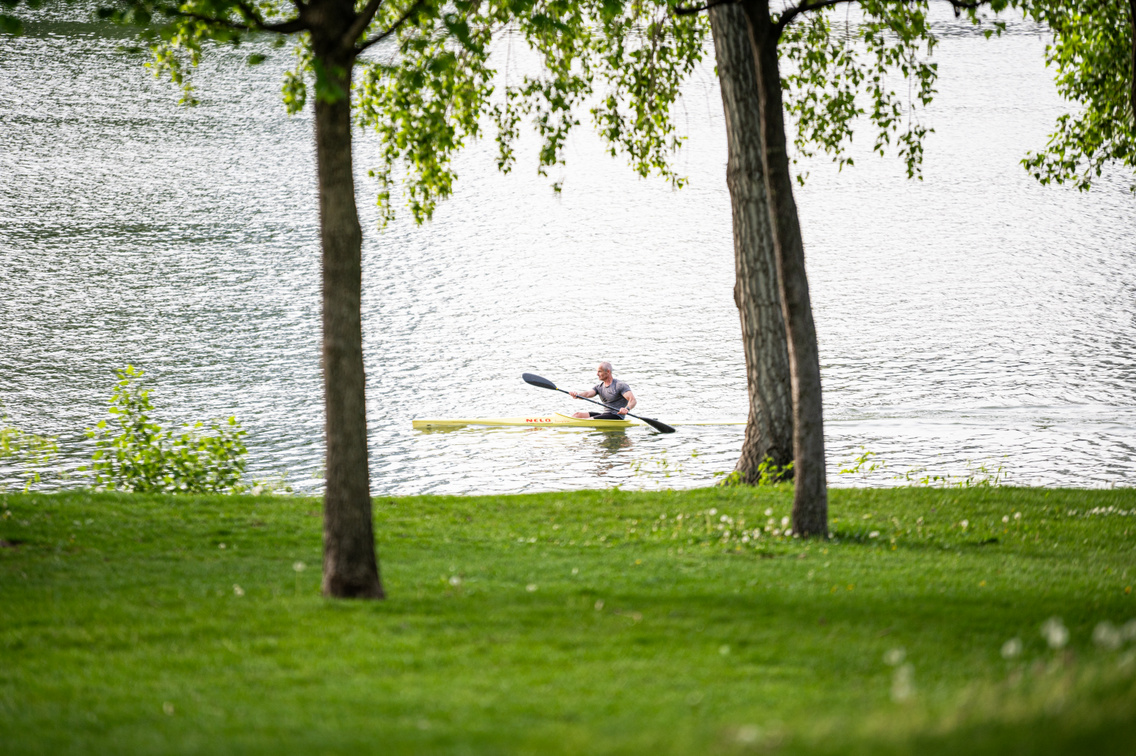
974, 319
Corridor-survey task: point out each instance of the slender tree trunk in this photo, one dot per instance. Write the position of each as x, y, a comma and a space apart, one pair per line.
810, 499
769, 429
350, 569
1132, 61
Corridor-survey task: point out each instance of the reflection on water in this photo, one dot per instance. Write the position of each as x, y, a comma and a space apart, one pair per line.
613, 442
610, 444
972, 318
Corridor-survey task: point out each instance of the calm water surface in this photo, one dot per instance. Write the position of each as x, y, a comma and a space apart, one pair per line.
971, 319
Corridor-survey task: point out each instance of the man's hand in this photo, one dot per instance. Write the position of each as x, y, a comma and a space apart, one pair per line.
573, 394
623, 410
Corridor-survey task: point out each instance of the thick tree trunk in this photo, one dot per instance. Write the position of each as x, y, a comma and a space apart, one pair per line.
769, 430
810, 499
350, 569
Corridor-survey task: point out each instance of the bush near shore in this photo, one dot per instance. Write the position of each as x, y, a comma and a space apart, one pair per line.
988, 620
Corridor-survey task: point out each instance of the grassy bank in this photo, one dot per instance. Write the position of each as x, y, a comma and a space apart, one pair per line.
583, 623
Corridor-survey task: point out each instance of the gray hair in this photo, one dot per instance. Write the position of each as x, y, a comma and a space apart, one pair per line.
607, 366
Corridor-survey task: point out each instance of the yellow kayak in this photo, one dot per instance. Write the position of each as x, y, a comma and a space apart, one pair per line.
550, 421
530, 421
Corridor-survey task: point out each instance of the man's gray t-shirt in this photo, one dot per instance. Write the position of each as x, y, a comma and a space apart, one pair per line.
612, 395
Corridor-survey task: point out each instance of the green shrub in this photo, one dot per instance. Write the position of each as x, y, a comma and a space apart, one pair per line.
29, 451
134, 453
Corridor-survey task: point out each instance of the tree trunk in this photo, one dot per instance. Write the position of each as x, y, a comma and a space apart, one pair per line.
1132, 62
350, 569
810, 498
769, 429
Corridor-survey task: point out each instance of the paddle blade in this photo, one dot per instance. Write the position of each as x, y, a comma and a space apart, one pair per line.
660, 427
536, 380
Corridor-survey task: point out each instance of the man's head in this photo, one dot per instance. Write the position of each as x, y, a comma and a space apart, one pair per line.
604, 371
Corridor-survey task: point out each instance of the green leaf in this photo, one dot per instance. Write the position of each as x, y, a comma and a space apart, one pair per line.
11, 25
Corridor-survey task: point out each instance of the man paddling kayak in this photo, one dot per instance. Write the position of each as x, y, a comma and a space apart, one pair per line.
614, 393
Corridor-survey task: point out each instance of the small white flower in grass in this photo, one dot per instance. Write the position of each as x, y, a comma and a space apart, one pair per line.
1017, 515
874, 534
237, 590
1108, 636
1005, 518
894, 656
1012, 648
769, 512
298, 566
784, 522
599, 605
220, 545
1055, 633
713, 511
724, 650
168, 708
748, 734
455, 580
788, 533
575, 570
964, 524
531, 587
903, 683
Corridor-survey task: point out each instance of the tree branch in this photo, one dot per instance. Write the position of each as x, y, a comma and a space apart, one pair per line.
284, 27
684, 10
211, 20
393, 27
362, 21
789, 14
255, 23
961, 5
250, 14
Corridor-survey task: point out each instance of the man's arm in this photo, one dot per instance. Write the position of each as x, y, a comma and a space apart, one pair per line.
630, 402
586, 394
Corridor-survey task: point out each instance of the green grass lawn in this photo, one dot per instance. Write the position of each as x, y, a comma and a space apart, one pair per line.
580, 623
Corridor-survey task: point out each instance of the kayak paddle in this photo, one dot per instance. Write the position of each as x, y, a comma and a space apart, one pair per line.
536, 380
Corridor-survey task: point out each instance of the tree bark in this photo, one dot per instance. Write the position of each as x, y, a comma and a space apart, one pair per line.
810, 498
1132, 62
350, 568
769, 428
